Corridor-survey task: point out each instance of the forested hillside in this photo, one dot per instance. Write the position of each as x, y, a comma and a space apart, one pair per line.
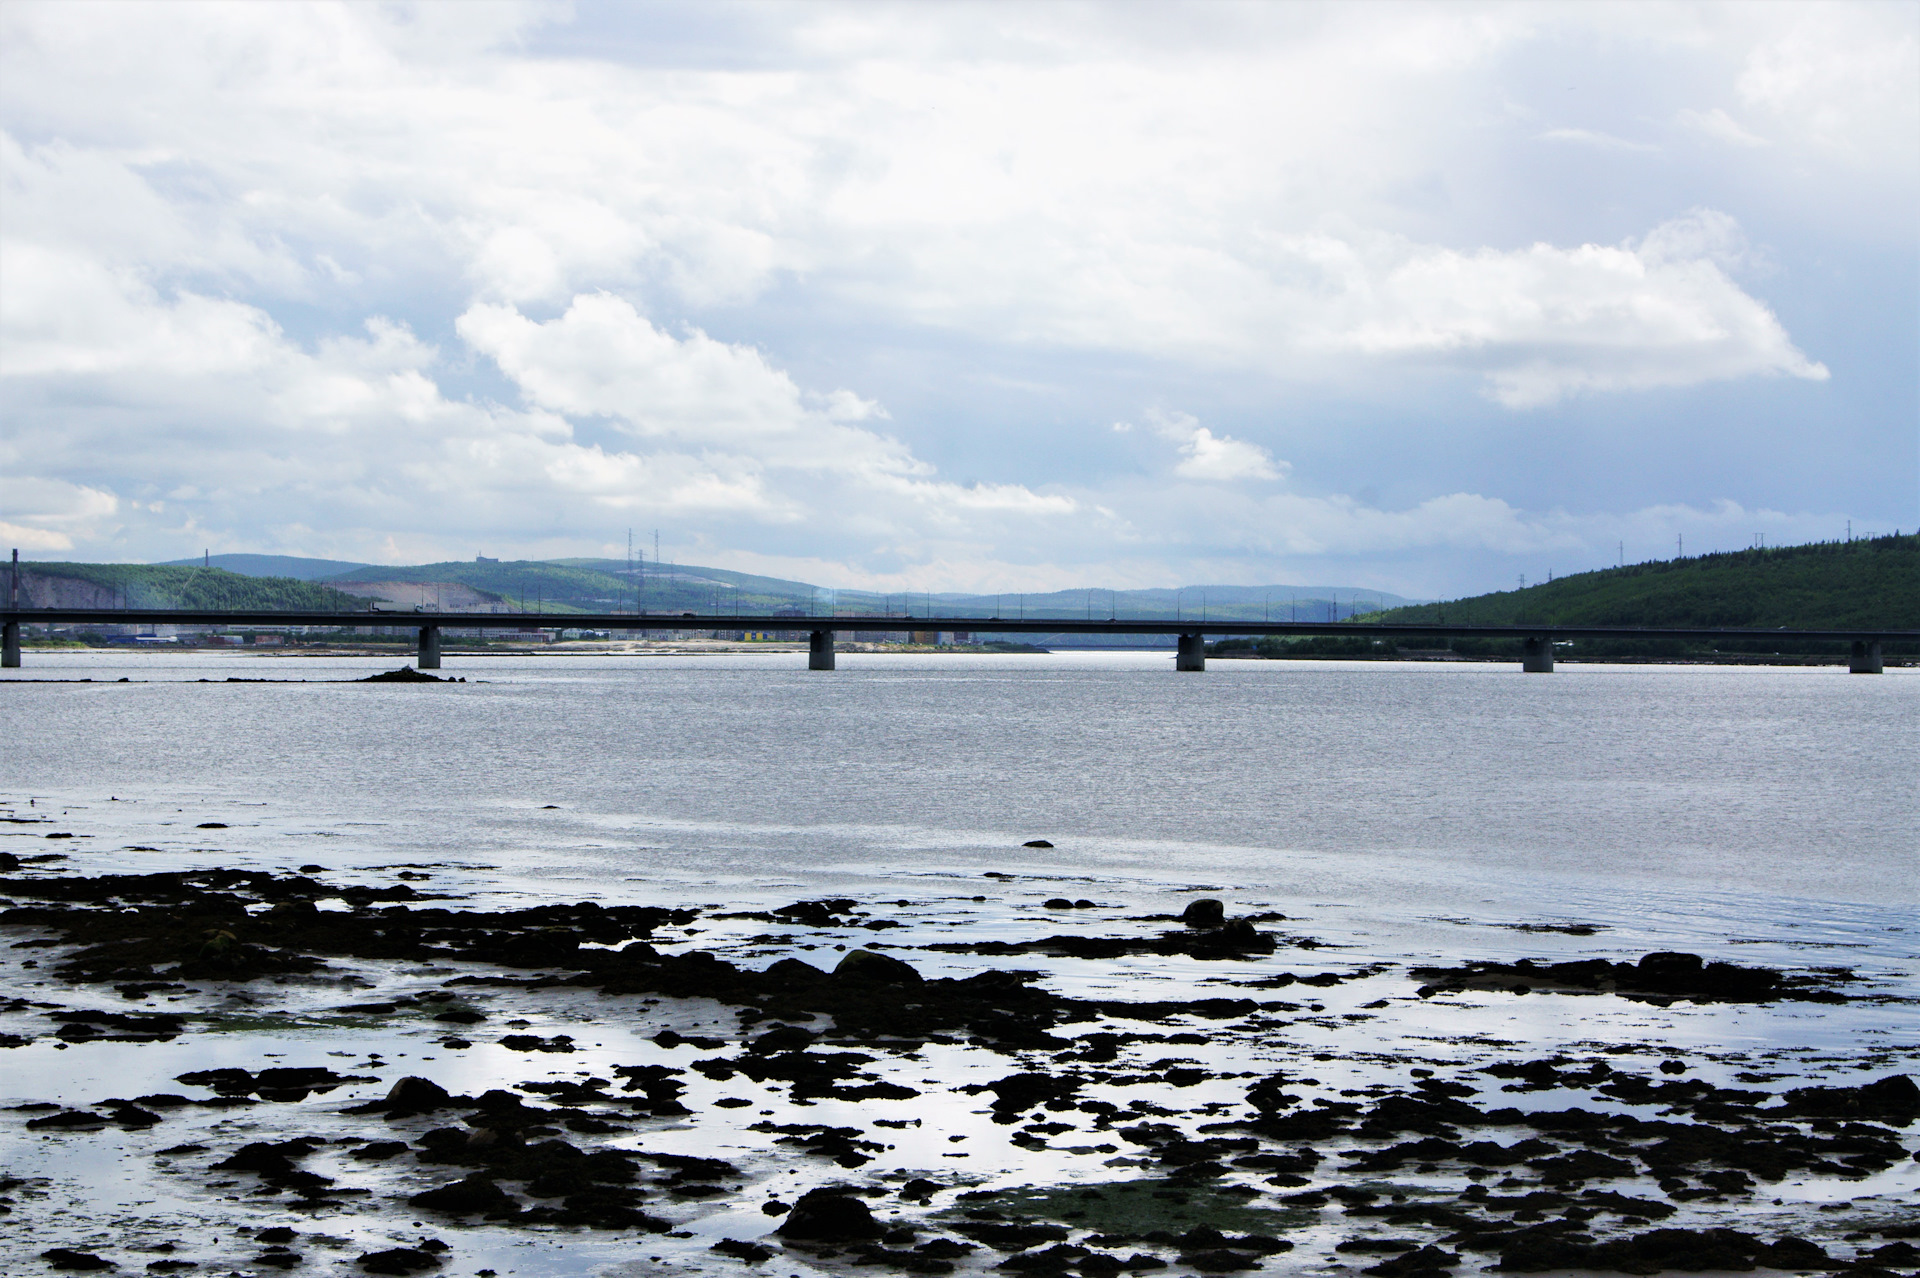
1870, 583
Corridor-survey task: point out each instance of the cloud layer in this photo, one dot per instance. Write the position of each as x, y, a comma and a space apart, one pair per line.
387, 283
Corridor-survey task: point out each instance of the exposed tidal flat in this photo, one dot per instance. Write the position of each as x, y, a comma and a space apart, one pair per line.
718, 965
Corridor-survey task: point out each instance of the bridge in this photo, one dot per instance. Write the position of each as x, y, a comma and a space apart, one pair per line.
1536, 640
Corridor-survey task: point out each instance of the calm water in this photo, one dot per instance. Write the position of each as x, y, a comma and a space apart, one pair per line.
1416, 785
1391, 812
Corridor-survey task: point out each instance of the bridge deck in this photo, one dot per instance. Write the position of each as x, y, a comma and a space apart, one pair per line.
900, 625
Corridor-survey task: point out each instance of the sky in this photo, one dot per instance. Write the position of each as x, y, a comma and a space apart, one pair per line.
1423, 298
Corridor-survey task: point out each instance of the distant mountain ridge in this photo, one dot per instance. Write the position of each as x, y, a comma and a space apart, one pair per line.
291, 566
564, 586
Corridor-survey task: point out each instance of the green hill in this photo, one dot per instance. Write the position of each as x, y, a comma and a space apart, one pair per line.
1872, 584
163, 586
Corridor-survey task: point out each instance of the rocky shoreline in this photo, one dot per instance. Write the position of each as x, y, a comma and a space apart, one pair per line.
1190, 1133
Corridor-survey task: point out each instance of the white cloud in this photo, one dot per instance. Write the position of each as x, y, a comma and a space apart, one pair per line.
1209, 458
48, 514
1842, 78
1548, 322
1201, 209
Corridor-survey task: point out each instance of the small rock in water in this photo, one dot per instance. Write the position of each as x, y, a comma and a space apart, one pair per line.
417, 1094
875, 969
1036, 843
405, 674
398, 1260
752, 1253
829, 1215
1205, 912
68, 1258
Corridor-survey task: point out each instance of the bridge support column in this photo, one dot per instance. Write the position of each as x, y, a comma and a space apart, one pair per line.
1866, 657
10, 658
1536, 654
1192, 654
820, 650
429, 648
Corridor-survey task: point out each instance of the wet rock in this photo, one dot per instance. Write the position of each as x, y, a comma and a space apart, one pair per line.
398, 1260
783, 1038
534, 1043
461, 1016
1893, 1253
117, 1026
405, 674
68, 1120
1416, 1264
1794, 1253
1057, 1259
276, 1234
416, 1095
1646, 1253
1010, 1235
1219, 1261
1658, 977
872, 968
1229, 940
830, 1216
274, 1163
1036, 843
472, 1195
68, 1258
1017, 1093
820, 914
1581, 1164
379, 1151
1205, 912
127, 1114
1893, 1099
842, 1144
752, 1253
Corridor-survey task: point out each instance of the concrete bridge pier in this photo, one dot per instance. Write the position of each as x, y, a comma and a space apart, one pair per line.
820, 650
1536, 654
1192, 654
1866, 657
10, 658
429, 649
